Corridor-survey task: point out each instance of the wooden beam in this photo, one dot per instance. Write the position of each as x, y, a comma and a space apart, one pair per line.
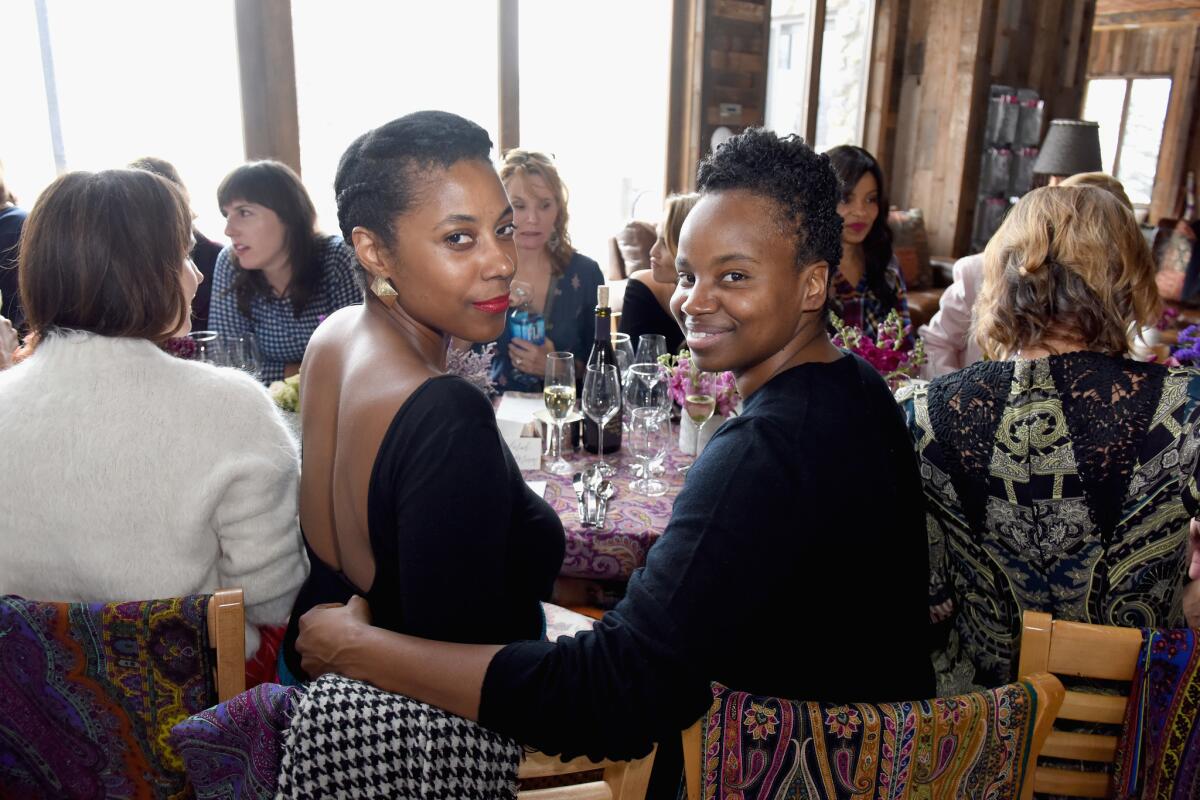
1141, 19
683, 105
812, 97
267, 66
510, 65
883, 80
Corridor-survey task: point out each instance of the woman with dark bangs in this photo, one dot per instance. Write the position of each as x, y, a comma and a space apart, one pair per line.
867, 285
279, 277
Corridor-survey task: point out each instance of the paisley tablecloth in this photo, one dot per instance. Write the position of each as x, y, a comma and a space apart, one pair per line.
634, 521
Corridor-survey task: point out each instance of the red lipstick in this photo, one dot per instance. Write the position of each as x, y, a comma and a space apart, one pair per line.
497, 305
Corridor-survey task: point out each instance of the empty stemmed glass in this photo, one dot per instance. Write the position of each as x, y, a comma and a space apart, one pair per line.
209, 348
242, 351
648, 435
558, 392
651, 347
602, 402
623, 348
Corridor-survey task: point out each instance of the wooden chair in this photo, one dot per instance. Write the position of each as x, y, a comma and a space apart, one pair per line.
1048, 689
1087, 651
227, 635
622, 780
102, 684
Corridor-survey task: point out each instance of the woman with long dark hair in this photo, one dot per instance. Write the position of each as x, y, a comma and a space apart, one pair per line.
279, 277
867, 285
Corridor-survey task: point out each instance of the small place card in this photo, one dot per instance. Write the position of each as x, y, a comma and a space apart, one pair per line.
518, 409
538, 487
527, 451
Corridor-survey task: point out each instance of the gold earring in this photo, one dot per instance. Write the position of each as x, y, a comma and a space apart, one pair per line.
382, 288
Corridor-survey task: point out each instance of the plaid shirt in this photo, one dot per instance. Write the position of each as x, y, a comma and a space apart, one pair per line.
858, 305
280, 333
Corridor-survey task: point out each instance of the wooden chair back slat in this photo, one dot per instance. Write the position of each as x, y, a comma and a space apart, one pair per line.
1082, 746
622, 780
1101, 652
227, 633
1070, 783
1109, 709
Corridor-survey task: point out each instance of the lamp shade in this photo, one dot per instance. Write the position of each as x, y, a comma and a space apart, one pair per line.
1071, 146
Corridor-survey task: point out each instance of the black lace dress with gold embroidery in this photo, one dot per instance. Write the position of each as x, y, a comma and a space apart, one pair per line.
1063, 484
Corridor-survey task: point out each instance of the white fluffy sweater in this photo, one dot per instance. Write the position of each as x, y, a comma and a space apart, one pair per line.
127, 474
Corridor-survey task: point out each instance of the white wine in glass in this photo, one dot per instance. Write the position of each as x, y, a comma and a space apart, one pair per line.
700, 408
558, 392
559, 400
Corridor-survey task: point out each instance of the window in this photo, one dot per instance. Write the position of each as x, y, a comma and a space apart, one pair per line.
787, 75
361, 63
595, 94
846, 34
845, 58
154, 88
1131, 113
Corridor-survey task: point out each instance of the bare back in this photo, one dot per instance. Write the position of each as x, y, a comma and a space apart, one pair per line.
356, 376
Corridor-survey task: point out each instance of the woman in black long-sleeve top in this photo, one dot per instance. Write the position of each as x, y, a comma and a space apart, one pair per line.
773, 576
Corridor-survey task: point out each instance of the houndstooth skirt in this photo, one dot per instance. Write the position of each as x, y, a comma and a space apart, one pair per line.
351, 740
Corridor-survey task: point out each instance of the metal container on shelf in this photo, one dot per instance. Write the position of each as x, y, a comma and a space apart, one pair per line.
997, 167
1021, 176
1002, 118
1029, 121
989, 213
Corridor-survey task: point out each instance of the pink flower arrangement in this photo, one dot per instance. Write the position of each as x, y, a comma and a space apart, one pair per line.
886, 353
684, 379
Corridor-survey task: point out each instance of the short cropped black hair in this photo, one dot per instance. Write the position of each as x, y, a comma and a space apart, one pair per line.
377, 177
787, 171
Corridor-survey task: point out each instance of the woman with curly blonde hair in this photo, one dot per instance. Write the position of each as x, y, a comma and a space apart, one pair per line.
1061, 475
562, 282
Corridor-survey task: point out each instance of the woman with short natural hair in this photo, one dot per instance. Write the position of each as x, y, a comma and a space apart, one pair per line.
133, 475
1061, 475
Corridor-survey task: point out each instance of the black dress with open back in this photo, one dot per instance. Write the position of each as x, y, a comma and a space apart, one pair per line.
464, 550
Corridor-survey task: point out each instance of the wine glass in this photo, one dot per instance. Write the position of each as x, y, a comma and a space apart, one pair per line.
648, 435
623, 348
243, 354
602, 402
209, 348
642, 384
651, 346
559, 394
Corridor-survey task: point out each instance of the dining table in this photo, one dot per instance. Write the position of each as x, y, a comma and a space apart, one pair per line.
634, 521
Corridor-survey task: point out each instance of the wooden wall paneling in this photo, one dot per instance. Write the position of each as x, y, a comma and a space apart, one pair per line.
884, 80
267, 68
509, 55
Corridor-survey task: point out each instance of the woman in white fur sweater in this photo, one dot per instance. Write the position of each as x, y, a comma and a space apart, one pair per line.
130, 474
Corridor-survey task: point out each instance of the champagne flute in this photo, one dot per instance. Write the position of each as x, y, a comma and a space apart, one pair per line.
602, 402
699, 408
648, 441
559, 394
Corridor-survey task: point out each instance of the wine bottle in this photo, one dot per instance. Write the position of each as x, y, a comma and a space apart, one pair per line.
603, 355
